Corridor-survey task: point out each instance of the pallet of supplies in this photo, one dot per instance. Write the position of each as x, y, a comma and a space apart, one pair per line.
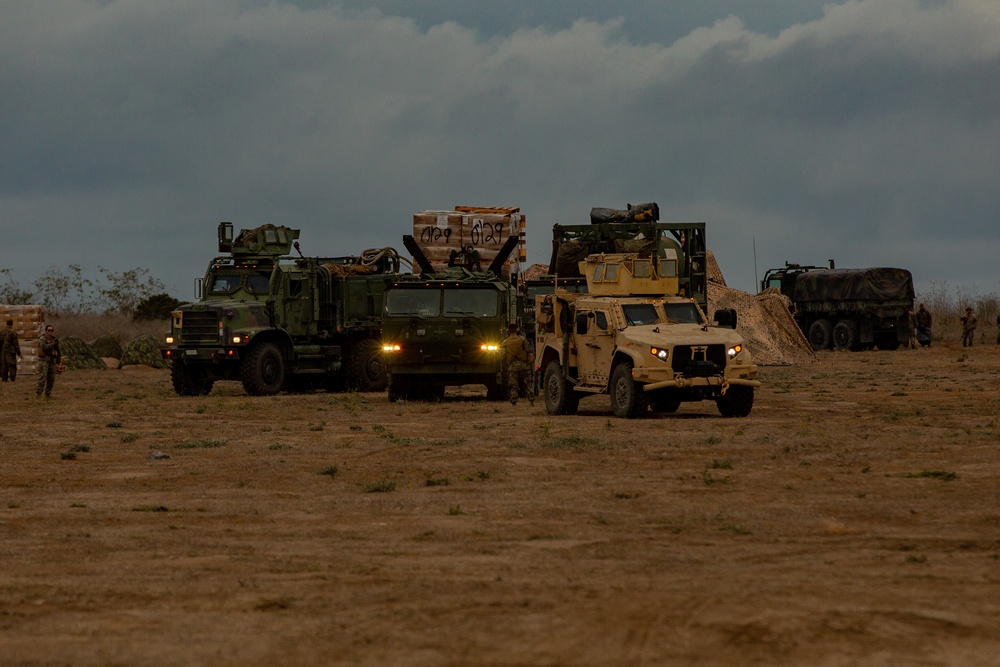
470, 233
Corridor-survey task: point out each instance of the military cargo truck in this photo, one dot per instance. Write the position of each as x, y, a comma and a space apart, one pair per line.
847, 309
633, 337
272, 321
444, 328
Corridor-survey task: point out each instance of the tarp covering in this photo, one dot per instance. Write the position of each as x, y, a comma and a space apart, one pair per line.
878, 284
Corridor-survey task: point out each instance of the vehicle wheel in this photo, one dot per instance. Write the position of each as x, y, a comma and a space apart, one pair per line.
736, 402
365, 367
188, 381
627, 397
820, 334
664, 401
263, 371
560, 398
845, 335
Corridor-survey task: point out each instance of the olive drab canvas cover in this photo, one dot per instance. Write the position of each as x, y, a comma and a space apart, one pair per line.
876, 284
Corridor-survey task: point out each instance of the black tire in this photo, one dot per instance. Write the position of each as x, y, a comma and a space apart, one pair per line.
664, 401
627, 397
820, 334
736, 402
263, 370
560, 398
187, 381
366, 367
845, 335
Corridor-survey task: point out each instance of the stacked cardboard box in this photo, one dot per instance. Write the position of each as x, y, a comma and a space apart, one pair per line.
483, 229
28, 322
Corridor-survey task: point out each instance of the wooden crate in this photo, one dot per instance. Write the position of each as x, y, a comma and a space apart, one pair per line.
483, 228
28, 320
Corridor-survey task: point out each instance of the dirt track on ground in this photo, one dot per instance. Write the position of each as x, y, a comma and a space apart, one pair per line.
851, 519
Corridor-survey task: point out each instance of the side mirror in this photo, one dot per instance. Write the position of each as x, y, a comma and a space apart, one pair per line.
726, 318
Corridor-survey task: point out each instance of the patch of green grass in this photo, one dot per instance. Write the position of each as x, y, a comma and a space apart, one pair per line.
317, 427
455, 510
68, 456
200, 444
329, 470
569, 442
713, 440
277, 446
151, 508
436, 481
114, 424
80, 448
130, 437
724, 464
707, 477
381, 486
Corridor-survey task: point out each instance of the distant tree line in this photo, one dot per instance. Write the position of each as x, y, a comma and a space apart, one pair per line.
132, 293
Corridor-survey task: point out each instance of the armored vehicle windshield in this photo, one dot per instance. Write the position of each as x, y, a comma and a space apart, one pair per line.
437, 302
682, 313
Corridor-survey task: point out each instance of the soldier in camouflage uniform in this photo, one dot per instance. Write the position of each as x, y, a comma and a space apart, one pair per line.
969, 323
517, 358
49, 357
10, 352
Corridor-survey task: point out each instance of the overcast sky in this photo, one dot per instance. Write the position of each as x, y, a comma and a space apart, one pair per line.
864, 131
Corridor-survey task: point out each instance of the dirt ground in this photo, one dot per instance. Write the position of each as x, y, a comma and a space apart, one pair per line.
853, 518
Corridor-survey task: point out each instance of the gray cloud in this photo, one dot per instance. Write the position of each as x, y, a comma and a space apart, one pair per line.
865, 131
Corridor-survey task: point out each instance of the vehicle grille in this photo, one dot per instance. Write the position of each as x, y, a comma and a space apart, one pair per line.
200, 327
700, 360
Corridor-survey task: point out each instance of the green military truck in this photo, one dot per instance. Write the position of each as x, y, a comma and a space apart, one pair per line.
444, 328
272, 321
847, 309
633, 337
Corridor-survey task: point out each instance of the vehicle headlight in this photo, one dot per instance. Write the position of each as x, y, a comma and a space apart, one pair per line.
170, 340
734, 350
659, 353
489, 347
392, 347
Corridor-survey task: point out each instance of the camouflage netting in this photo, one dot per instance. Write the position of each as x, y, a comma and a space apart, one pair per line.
107, 346
144, 351
763, 320
76, 353
349, 269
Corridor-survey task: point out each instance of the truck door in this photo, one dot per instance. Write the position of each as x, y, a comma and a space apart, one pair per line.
297, 303
594, 346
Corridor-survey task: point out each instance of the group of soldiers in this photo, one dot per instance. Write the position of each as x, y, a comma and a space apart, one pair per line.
920, 327
49, 358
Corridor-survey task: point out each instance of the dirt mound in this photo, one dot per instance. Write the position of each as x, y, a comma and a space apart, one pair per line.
763, 320
76, 354
145, 351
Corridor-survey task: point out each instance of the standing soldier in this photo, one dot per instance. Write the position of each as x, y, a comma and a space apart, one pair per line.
517, 358
924, 326
969, 323
911, 325
998, 329
49, 357
10, 352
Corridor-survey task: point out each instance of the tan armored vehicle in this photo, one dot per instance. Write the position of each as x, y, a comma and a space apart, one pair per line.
627, 339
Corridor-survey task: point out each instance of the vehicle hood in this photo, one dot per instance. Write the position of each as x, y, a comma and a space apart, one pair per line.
662, 335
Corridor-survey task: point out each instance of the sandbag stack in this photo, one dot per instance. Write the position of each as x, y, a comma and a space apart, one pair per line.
485, 229
28, 323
